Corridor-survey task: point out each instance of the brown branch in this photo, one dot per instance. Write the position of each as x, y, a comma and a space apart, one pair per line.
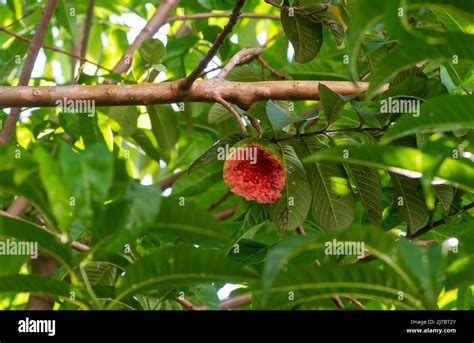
241, 57
189, 305
265, 65
234, 113
53, 48
238, 301
221, 15
25, 75
225, 214
154, 24
220, 200
188, 81
356, 302
244, 56
18, 207
242, 94
87, 30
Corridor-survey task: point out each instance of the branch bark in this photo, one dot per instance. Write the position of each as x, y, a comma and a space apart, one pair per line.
242, 94
25, 75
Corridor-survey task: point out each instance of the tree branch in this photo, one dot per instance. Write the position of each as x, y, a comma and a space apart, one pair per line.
87, 30
53, 48
157, 20
234, 113
221, 15
188, 81
25, 75
243, 94
238, 301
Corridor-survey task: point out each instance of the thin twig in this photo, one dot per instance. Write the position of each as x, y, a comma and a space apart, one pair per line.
53, 48
221, 15
25, 75
158, 19
234, 113
220, 200
225, 214
238, 301
187, 83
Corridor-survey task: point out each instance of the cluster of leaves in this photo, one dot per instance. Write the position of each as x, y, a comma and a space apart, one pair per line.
354, 173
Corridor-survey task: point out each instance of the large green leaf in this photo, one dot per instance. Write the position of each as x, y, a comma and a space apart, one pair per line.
401, 160
369, 186
186, 221
178, 267
331, 102
305, 36
152, 50
213, 152
448, 112
164, 124
410, 202
301, 285
37, 285
27, 232
291, 209
88, 176
333, 206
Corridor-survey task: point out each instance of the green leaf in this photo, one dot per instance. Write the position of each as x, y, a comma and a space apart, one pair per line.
410, 202
426, 265
303, 284
178, 219
245, 73
66, 16
291, 209
144, 206
460, 273
140, 136
54, 183
152, 51
333, 206
369, 186
443, 113
278, 117
88, 176
165, 125
27, 232
211, 155
331, 102
305, 35
412, 50
127, 117
445, 195
34, 284
401, 160
219, 113
180, 266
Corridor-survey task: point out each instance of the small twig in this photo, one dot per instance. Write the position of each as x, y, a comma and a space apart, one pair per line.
300, 231
225, 214
221, 15
238, 301
87, 30
356, 302
220, 200
18, 207
25, 75
189, 80
265, 65
234, 113
52, 48
189, 305
158, 19
256, 125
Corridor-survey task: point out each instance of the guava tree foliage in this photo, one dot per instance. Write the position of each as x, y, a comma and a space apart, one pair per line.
357, 117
